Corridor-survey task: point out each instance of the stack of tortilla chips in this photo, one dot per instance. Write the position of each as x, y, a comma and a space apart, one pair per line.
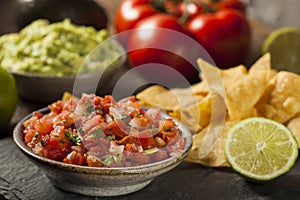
259, 91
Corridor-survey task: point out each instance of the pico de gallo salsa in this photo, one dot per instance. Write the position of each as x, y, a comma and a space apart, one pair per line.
102, 132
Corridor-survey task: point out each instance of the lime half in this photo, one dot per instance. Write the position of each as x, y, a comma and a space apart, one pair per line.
8, 98
260, 149
284, 46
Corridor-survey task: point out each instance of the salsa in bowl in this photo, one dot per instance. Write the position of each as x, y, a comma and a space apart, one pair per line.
98, 146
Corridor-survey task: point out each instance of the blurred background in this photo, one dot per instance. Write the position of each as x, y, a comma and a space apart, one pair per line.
272, 13
275, 13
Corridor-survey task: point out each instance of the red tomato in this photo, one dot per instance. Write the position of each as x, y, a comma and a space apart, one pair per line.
53, 149
178, 10
234, 4
225, 34
146, 139
191, 9
160, 40
154, 40
130, 12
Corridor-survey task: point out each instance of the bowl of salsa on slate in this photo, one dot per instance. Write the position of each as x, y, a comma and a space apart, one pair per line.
102, 147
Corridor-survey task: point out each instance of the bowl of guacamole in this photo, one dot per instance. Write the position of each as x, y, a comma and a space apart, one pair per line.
48, 59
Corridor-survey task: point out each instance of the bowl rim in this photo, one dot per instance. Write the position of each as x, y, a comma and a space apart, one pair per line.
18, 140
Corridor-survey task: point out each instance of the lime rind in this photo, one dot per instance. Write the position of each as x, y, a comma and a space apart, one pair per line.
284, 46
275, 34
8, 97
261, 160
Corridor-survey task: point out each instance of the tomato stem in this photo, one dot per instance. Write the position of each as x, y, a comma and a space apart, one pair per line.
205, 5
185, 15
159, 5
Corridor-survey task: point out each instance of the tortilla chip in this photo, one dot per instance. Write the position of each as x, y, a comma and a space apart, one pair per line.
168, 99
259, 91
200, 88
231, 75
281, 102
214, 158
150, 96
294, 126
181, 103
196, 116
245, 89
263, 63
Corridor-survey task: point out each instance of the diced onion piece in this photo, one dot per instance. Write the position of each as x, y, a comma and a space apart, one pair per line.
150, 151
115, 113
115, 148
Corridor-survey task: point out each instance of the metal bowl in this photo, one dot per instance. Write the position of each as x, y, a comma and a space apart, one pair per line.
96, 181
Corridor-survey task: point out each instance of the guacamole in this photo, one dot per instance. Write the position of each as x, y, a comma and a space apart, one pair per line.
57, 49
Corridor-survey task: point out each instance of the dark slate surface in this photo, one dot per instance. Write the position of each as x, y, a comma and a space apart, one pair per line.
21, 179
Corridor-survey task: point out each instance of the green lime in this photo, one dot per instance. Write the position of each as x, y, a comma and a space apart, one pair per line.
8, 98
284, 46
260, 149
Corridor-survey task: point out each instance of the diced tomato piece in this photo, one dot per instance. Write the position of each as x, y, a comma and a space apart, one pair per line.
94, 161
113, 128
29, 136
108, 102
131, 148
76, 158
134, 114
52, 149
58, 133
146, 139
92, 122
70, 105
135, 104
65, 118
56, 107
45, 124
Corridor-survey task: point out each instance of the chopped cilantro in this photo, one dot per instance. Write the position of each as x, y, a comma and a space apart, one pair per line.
42, 142
111, 137
75, 139
90, 108
107, 160
36, 135
96, 134
61, 141
117, 157
168, 129
154, 130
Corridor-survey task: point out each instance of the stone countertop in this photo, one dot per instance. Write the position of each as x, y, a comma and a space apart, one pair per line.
23, 180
